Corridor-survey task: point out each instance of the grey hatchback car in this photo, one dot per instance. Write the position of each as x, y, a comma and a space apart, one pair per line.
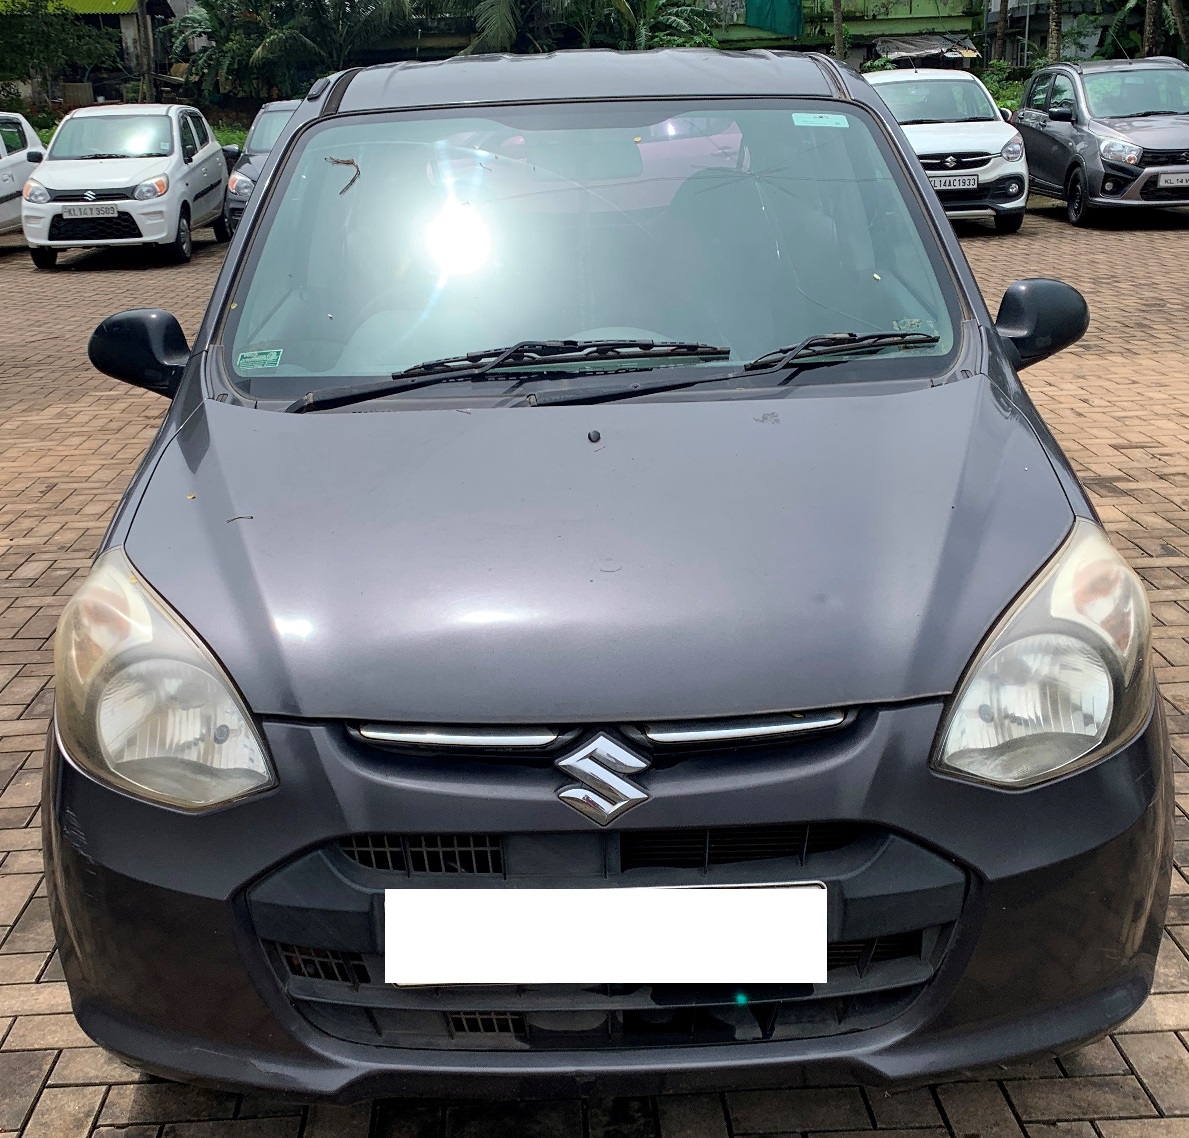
601, 614
1108, 134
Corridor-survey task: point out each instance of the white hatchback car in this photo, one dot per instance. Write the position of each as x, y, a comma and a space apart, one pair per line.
973, 157
131, 174
19, 154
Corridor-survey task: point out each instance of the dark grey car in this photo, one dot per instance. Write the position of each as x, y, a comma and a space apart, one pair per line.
266, 128
1108, 134
601, 614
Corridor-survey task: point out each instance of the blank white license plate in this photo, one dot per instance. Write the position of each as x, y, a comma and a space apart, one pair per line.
956, 182
1163, 180
89, 211
730, 934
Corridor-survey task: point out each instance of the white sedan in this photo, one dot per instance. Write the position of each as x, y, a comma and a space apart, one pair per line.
974, 159
131, 174
20, 150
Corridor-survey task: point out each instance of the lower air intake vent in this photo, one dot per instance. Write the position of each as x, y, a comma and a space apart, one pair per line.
727, 845
487, 1023
426, 853
324, 964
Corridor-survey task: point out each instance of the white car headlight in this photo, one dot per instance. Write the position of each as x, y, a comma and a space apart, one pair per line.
143, 705
1064, 678
35, 193
240, 186
1013, 149
153, 188
1116, 150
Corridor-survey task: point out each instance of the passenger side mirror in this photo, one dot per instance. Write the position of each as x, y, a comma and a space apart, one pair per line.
145, 347
1062, 113
188, 152
231, 152
1038, 317
1005, 114
34, 156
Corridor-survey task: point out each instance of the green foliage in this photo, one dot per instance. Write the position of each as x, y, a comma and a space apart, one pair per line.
879, 64
1000, 79
41, 39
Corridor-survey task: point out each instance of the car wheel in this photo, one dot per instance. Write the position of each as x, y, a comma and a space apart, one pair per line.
1077, 202
1009, 222
181, 248
43, 258
222, 228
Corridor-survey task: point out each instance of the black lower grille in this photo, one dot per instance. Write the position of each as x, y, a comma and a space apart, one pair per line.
329, 964
997, 191
123, 225
426, 853
730, 845
1151, 192
487, 1023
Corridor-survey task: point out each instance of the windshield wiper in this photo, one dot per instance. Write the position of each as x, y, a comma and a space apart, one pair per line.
806, 354
477, 366
1149, 114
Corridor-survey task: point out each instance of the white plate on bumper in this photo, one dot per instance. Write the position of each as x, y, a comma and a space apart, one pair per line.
89, 211
954, 182
1169, 180
722, 934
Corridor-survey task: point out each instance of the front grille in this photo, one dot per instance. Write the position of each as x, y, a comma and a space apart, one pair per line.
329, 964
939, 162
1151, 192
122, 226
487, 1023
426, 853
1165, 157
730, 845
92, 195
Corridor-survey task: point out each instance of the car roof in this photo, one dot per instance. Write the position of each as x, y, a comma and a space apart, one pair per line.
588, 74
904, 74
280, 105
1154, 62
129, 109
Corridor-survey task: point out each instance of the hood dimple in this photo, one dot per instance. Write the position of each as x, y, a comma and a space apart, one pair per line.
705, 558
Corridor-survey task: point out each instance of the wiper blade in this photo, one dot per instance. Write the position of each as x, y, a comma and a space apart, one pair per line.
478, 366
808, 351
1150, 114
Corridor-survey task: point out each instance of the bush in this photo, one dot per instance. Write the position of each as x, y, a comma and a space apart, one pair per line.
1000, 79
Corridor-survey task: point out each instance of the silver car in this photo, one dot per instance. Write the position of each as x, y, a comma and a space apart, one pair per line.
1112, 132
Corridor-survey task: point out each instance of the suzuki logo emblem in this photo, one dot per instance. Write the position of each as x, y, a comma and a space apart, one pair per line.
603, 793
89, 196
951, 162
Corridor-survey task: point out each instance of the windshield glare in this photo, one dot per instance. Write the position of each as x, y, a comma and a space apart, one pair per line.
1122, 94
113, 136
392, 240
266, 129
938, 100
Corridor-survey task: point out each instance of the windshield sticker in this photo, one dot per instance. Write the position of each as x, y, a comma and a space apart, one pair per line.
254, 361
801, 118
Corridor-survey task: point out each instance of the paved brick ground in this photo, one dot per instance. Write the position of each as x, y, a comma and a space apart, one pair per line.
69, 439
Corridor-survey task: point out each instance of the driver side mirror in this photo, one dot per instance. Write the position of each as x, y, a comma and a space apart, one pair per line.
231, 152
1038, 317
145, 347
34, 156
1005, 114
1062, 113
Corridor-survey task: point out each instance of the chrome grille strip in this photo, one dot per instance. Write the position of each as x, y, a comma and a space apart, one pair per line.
722, 731
459, 736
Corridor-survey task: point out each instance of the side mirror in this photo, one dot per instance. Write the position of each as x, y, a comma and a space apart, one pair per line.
1038, 317
1061, 114
34, 156
188, 153
231, 153
1005, 114
145, 347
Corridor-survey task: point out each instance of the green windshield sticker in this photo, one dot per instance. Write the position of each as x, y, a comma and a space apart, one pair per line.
800, 118
253, 361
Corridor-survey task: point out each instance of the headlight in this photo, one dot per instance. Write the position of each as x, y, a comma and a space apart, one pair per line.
1116, 150
1013, 149
240, 186
1064, 677
35, 192
153, 188
143, 705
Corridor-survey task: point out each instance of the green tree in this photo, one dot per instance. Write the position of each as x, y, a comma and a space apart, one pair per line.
327, 33
41, 39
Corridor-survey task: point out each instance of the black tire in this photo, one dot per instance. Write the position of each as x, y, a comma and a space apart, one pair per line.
222, 228
181, 248
43, 258
1077, 201
1009, 222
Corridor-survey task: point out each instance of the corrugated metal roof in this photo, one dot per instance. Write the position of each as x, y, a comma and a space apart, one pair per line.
100, 7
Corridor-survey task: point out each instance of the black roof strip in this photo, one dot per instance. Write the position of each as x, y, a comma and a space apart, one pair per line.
335, 98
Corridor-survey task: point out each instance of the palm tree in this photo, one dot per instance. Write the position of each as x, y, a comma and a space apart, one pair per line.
999, 51
1151, 42
330, 32
839, 38
1054, 30
1178, 17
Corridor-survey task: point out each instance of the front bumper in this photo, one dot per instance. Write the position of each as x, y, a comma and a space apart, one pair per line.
1132, 187
1056, 894
136, 223
1002, 188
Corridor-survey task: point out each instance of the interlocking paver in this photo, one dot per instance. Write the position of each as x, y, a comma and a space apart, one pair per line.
70, 438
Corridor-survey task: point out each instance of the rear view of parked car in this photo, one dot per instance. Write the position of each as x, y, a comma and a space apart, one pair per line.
1109, 134
974, 159
135, 174
266, 129
20, 151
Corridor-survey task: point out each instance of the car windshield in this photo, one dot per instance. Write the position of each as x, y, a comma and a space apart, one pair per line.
113, 136
395, 239
938, 100
1143, 91
266, 129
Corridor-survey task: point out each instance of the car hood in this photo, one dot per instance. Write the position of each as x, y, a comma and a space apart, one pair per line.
251, 165
1163, 132
99, 173
699, 559
987, 137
